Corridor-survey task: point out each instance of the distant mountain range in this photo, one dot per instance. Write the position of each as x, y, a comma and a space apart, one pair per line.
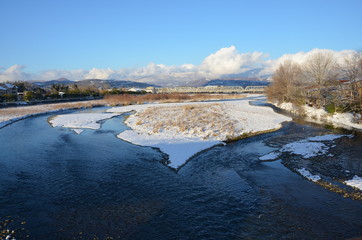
111, 83
50, 83
242, 83
98, 83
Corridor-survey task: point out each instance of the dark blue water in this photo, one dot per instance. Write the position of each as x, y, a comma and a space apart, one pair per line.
55, 184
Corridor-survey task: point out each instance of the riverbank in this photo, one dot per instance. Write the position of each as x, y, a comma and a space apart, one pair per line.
12, 114
344, 120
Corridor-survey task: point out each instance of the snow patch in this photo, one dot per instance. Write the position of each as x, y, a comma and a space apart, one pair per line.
77, 131
305, 173
311, 147
80, 120
270, 156
315, 113
328, 137
305, 148
179, 149
356, 182
346, 119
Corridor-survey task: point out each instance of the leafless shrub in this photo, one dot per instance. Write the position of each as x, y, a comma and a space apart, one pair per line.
352, 71
287, 82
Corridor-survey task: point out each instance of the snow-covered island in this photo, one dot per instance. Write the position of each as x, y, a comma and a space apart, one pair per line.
181, 130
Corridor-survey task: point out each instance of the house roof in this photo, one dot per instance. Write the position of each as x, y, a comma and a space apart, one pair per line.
8, 85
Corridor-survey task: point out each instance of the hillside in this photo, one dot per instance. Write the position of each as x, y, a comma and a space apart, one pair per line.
242, 83
97, 83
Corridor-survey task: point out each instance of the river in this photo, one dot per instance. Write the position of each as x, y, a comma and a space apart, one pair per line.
55, 184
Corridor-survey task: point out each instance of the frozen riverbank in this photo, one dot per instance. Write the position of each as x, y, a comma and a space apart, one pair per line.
12, 114
344, 120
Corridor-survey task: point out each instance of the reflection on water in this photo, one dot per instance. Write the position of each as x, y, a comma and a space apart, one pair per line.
66, 186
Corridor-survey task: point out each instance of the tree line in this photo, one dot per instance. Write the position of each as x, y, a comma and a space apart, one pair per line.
32, 92
321, 81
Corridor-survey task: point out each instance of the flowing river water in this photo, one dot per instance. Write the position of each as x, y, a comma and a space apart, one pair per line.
55, 184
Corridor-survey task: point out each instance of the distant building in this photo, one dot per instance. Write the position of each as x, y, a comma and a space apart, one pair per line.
7, 88
135, 90
151, 89
212, 89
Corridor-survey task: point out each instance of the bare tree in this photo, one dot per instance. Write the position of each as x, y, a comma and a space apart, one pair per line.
287, 81
320, 70
352, 67
352, 70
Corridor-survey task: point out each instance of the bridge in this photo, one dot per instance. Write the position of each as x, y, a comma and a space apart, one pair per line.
208, 89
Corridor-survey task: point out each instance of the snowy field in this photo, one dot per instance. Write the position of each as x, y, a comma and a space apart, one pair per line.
356, 182
183, 129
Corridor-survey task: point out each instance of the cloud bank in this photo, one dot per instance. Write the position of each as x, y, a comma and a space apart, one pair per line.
224, 63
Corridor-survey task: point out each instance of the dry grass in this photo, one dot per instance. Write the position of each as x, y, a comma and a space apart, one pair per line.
354, 194
130, 99
206, 120
15, 112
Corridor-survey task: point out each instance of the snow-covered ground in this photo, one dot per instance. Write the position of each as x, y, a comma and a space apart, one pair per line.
12, 114
312, 147
80, 121
307, 148
356, 182
270, 156
305, 173
183, 129
178, 148
346, 120
8, 119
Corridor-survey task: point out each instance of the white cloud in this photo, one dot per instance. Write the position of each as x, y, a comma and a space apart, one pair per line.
301, 57
13, 73
96, 73
224, 62
229, 61
78, 74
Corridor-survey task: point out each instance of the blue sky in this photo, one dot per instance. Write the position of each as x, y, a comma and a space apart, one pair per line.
77, 34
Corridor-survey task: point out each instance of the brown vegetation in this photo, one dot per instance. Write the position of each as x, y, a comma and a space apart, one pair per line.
287, 82
130, 99
207, 120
